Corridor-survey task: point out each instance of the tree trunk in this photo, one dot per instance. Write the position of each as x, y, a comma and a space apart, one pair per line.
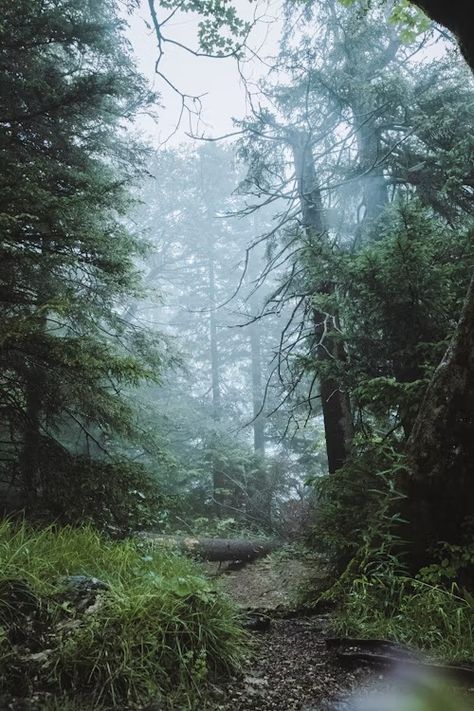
214, 549
440, 483
456, 16
259, 487
257, 390
328, 347
374, 185
259, 490
218, 477
30, 455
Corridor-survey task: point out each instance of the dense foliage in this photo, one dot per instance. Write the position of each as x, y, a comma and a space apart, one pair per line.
307, 284
363, 152
67, 259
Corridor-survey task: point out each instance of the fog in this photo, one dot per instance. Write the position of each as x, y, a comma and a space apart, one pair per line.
236, 355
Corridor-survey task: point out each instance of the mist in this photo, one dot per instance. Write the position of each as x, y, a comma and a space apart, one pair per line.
236, 356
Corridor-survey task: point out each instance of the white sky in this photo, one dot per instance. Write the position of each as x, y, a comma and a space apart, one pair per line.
217, 78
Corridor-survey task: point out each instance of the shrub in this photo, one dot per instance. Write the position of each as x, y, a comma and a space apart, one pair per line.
356, 507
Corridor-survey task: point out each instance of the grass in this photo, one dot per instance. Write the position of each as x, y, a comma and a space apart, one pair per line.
438, 620
159, 630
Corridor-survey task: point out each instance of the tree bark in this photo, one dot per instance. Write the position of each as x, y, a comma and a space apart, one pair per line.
456, 16
373, 183
219, 480
257, 390
328, 347
259, 492
440, 483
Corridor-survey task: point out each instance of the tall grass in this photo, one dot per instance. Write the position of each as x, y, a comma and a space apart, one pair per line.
160, 628
438, 620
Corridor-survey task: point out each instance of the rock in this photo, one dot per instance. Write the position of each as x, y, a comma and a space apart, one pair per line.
82, 591
257, 622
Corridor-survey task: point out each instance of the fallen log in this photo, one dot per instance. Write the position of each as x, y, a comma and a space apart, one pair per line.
380, 653
214, 549
461, 674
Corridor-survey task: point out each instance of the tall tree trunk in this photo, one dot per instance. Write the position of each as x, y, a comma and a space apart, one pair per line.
440, 483
374, 185
328, 347
260, 491
34, 393
259, 485
258, 421
218, 476
257, 390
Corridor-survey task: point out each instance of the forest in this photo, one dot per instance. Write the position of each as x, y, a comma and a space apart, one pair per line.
236, 355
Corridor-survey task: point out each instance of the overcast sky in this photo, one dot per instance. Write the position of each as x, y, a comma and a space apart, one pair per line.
218, 79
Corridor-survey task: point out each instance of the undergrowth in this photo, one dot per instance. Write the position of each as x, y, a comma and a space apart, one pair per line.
215, 528
375, 596
386, 605
157, 629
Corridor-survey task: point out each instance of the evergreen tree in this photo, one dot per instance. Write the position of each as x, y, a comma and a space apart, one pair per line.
68, 87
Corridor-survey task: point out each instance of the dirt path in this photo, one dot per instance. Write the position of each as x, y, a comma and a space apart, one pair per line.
290, 668
271, 583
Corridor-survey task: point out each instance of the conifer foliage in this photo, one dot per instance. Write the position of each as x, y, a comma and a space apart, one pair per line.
67, 257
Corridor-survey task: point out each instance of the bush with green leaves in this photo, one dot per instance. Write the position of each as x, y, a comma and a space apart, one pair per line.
357, 506
402, 296
361, 530
112, 494
159, 628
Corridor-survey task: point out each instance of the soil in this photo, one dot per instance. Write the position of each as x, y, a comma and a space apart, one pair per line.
290, 669
269, 584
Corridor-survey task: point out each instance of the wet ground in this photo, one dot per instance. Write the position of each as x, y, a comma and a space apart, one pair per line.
291, 668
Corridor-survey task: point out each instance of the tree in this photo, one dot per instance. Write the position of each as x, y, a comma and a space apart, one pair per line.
455, 18
332, 125
69, 87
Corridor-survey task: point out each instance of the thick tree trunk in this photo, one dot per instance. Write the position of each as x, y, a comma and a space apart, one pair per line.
456, 15
440, 484
214, 549
328, 347
373, 183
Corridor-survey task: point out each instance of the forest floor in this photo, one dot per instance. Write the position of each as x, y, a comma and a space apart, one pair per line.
290, 668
